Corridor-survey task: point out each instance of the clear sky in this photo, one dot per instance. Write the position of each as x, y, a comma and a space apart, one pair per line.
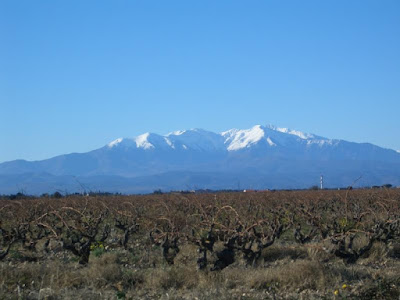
75, 75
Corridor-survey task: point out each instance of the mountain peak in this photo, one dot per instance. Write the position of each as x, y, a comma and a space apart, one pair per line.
142, 141
239, 139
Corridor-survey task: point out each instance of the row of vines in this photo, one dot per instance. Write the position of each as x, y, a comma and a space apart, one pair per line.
242, 224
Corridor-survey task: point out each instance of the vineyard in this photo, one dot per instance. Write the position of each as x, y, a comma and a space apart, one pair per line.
265, 245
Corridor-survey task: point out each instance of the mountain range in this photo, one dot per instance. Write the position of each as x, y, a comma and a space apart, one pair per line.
262, 157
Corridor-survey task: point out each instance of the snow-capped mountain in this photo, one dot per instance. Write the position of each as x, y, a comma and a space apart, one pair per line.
259, 157
194, 139
231, 140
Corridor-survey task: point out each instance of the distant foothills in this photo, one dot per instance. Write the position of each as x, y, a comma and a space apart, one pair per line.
259, 158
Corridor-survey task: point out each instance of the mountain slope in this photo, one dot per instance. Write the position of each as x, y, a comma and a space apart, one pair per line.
262, 157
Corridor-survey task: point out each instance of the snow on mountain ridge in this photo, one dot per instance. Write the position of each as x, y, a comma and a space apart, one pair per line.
142, 141
238, 139
302, 135
197, 139
178, 132
230, 140
114, 142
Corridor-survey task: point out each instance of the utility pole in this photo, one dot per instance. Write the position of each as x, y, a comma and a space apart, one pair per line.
322, 182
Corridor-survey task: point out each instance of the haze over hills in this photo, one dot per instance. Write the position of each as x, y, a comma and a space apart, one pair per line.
260, 157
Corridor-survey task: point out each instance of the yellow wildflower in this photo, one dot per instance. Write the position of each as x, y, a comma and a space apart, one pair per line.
344, 286
336, 292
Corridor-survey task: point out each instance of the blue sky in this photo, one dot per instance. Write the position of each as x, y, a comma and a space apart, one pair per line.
75, 75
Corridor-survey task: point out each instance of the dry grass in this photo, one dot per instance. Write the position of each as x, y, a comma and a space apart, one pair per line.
298, 275
106, 277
